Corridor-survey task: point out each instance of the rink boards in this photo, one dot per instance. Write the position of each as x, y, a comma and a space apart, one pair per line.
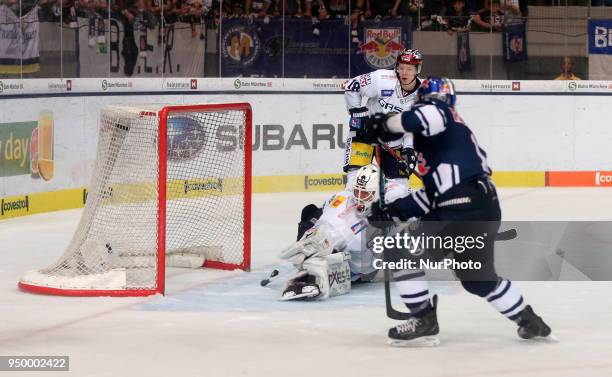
299, 134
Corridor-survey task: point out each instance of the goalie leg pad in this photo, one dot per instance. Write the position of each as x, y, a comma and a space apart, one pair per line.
322, 277
301, 287
332, 274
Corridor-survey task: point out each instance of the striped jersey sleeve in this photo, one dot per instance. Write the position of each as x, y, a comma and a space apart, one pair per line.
428, 120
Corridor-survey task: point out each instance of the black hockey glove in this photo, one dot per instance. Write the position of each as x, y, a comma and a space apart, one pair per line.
310, 215
380, 217
409, 160
375, 130
358, 114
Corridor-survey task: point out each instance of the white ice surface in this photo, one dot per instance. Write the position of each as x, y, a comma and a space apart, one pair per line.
216, 323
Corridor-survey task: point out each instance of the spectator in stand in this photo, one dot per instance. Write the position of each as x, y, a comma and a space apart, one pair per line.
414, 9
431, 16
231, 8
171, 11
567, 70
425, 15
382, 8
155, 8
511, 10
490, 18
258, 8
193, 13
294, 8
474, 6
324, 9
329, 9
511, 7
457, 18
402, 9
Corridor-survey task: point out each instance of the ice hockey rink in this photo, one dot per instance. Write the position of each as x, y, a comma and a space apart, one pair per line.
219, 323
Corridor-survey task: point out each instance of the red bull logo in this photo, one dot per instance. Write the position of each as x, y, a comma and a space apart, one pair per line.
381, 47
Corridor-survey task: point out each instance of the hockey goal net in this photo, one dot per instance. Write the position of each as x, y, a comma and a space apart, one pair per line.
171, 184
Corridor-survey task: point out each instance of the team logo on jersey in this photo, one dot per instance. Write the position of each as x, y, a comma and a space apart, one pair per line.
386, 92
381, 46
241, 46
337, 201
365, 80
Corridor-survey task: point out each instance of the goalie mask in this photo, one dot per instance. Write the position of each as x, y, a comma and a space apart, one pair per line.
365, 188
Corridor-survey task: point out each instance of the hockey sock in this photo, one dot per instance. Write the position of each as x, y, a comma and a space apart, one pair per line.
413, 289
507, 299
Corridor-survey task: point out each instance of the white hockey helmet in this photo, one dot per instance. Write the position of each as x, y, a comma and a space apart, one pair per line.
365, 187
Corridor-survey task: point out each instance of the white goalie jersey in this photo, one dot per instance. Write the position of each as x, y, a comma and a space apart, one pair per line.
347, 229
347, 232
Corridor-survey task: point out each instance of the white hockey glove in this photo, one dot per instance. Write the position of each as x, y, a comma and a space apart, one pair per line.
315, 242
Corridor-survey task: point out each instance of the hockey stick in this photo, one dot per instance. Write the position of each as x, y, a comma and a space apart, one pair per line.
381, 178
506, 235
391, 311
392, 152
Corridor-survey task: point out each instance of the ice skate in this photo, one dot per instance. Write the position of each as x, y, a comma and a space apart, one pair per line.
531, 326
417, 332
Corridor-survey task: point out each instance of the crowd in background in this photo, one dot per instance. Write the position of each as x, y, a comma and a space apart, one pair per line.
427, 15
430, 15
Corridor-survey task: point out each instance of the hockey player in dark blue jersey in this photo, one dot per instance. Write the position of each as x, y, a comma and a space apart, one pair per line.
457, 191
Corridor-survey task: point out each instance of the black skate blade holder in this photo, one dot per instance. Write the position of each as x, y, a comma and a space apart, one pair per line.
403, 316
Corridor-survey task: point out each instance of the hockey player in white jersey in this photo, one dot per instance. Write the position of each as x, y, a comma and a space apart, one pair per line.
384, 91
331, 250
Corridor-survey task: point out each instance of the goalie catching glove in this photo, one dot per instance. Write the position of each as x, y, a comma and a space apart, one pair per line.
315, 242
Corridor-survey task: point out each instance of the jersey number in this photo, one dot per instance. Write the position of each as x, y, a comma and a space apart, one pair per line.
352, 86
